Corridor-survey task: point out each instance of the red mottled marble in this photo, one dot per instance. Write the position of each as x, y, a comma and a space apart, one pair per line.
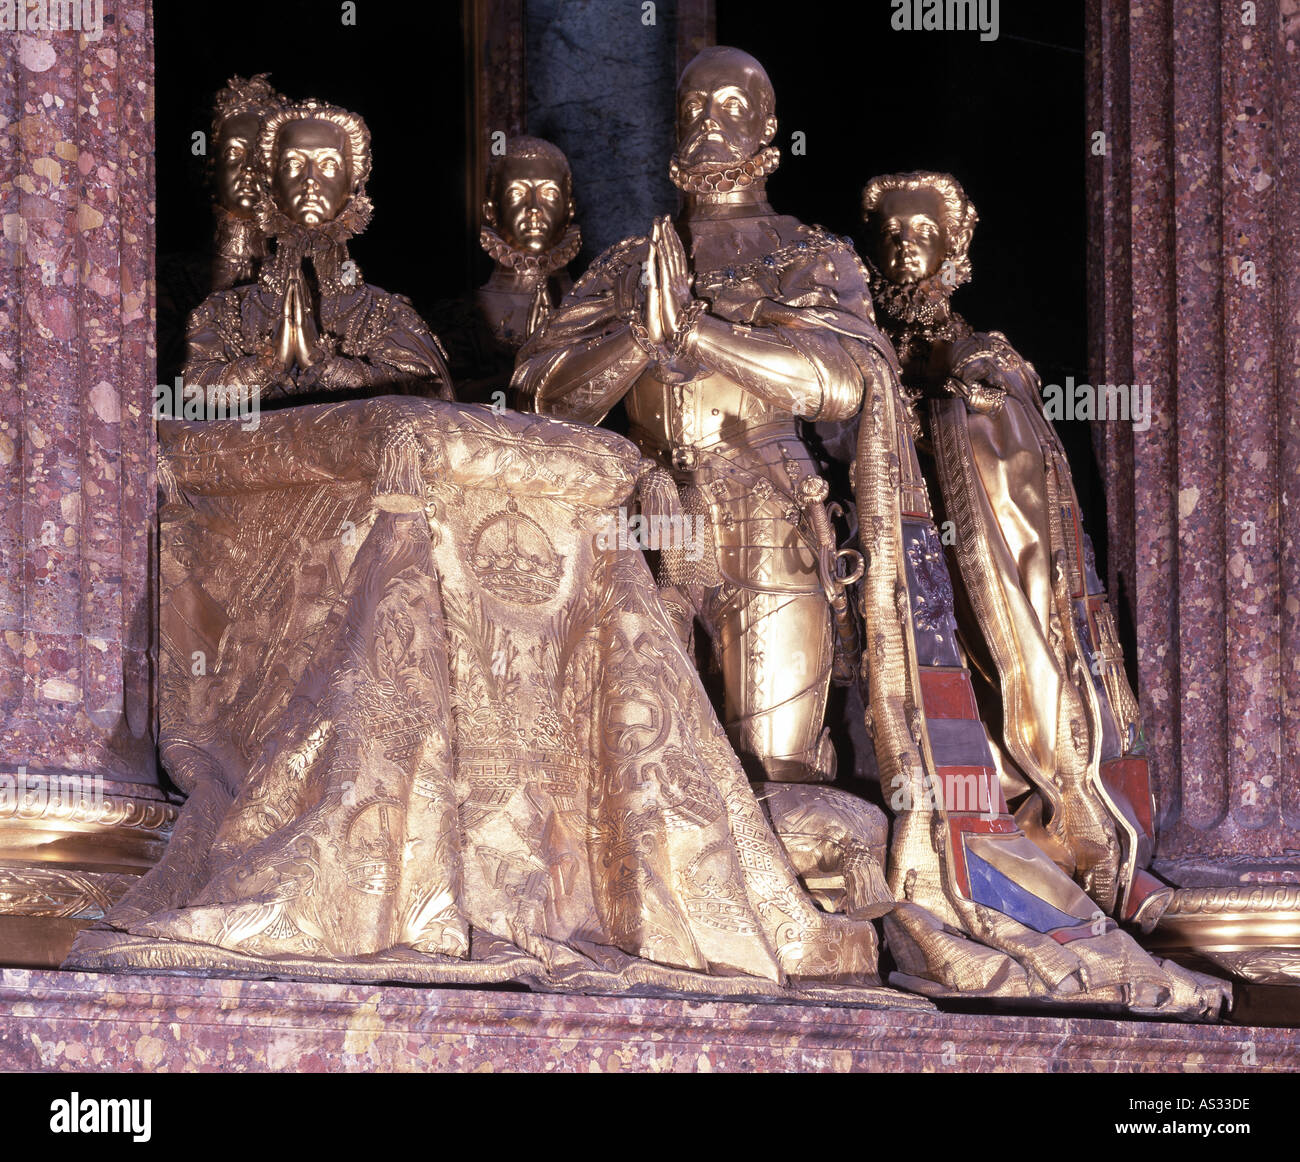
1286, 242
1110, 308
1197, 373
52, 1021
1251, 389
138, 365
13, 232
1151, 297
1205, 109
77, 365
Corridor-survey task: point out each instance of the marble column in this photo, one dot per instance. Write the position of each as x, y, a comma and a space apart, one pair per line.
81, 811
496, 60
601, 81
1195, 216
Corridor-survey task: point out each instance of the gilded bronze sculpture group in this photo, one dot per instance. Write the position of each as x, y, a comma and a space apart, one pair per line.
434, 727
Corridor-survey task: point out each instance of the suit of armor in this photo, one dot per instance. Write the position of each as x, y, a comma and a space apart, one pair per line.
764, 354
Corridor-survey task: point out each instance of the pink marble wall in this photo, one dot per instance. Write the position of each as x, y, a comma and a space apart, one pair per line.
1286, 245
58, 1021
1202, 117
77, 480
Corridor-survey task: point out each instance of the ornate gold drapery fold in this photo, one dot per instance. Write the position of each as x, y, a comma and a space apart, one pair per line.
432, 731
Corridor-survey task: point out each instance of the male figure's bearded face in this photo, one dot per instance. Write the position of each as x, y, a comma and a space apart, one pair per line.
313, 177
531, 206
909, 237
723, 112
237, 164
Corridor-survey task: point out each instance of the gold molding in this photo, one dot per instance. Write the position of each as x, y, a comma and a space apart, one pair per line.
110, 811
1253, 932
71, 845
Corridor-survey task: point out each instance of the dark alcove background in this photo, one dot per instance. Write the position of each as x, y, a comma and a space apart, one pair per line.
402, 67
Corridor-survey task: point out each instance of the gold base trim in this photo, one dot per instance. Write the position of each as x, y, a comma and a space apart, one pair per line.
82, 821
71, 844
1252, 932
59, 892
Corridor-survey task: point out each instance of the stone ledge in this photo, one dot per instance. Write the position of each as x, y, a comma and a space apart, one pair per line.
52, 1021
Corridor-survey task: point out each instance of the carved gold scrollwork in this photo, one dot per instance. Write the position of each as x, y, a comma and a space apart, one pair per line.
1251, 931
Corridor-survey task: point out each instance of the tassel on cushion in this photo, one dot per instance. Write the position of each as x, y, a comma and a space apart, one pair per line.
659, 501
399, 483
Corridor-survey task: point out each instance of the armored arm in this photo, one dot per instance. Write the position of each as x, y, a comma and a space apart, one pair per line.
582, 381
583, 358
805, 371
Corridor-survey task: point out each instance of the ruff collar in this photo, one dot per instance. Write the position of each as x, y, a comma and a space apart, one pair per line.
324, 245
723, 177
923, 303
532, 266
